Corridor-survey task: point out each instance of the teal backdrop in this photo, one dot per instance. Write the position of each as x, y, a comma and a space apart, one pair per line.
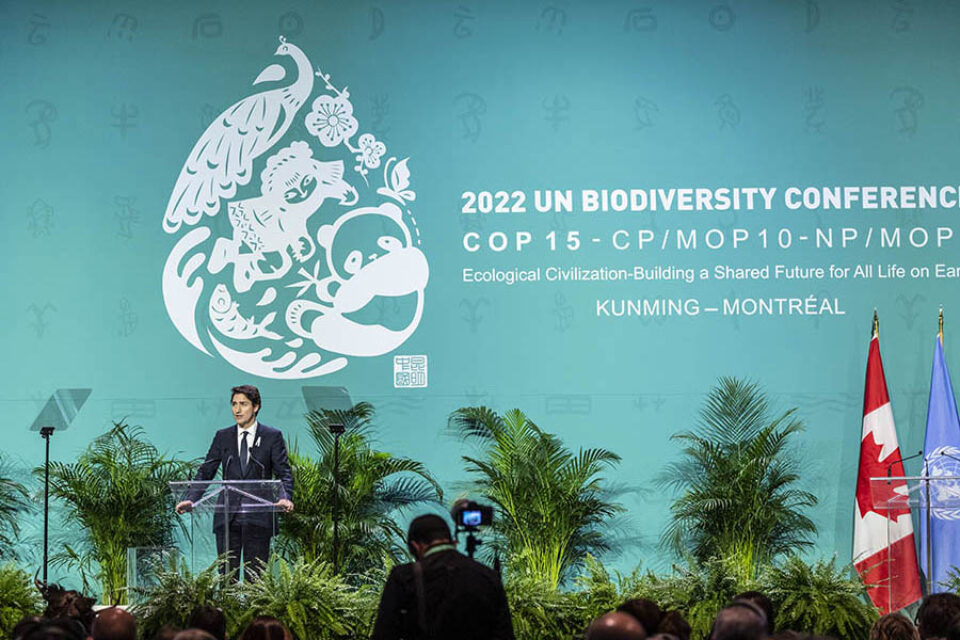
102, 103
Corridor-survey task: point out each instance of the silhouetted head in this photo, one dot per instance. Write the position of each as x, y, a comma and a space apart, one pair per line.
935, 614
59, 629
647, 613
114, 624
266, 629
192, 634
211, 620
616, 626
740, 621
763, 602
893, 626
673, 623
427, 531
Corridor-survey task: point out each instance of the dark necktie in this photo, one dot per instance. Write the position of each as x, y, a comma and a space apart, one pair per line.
243, 453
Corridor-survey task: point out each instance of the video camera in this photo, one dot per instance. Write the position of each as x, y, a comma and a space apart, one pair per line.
469, 515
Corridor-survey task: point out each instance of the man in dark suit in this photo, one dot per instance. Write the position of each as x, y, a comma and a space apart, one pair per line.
247, 450
443, 594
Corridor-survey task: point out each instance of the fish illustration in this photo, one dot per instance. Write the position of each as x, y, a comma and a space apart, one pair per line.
225, 315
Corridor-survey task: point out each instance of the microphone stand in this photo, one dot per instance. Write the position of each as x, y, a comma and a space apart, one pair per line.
337, 430
46, 433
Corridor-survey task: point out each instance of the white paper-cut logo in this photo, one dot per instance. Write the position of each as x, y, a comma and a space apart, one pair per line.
290, 276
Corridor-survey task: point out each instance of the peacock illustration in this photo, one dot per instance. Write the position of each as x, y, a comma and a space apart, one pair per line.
223, 157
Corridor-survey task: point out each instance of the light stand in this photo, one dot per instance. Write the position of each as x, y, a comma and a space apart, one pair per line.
46, 433
337, 430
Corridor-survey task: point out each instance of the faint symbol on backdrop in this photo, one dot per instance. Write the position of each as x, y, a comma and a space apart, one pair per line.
908, 308
472, 107
908, 101
124, 118
644, 110
556, 111
208, 26
472, 312
39, 29
573, 404
463, 19
642, 402
641, 19
127, 319
410, 372
40, 218
902, 15
208, 113
133, 409
813, 15
42, 113
722, 17
562, 312
477, 397
284, 283
125, 216
40, 322
728, 112
377, 22
291, 24
552, 20
379, 110
123, 27
401, 405
289, 409
472, 223
206, 407
813, 121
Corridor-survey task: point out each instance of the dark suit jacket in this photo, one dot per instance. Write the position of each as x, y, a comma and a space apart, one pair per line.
464, 600
268, 460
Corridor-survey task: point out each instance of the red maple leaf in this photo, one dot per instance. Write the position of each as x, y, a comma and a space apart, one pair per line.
872, 466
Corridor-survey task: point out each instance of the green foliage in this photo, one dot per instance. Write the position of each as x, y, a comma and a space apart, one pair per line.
552, 503
311, 601
372, 487
13, 502
821, 598
540, 611
117, 494
177, 592
19, 598
737, 480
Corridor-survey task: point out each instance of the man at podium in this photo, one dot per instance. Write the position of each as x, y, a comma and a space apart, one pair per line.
247, 450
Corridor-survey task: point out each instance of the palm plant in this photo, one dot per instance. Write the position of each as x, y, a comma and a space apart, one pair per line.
552, 503
737, 480
116, 493
371, 488
19, 598
13, 501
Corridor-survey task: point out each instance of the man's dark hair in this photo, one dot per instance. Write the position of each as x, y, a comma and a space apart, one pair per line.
166, 633
58, 629
428, 528
647, 613
953, 631
252, 393
265, 628
114, 624
762, 601
21, 628
193, 634
935, 614
616, 625
893, 626
211, 620
675, 624
740, 621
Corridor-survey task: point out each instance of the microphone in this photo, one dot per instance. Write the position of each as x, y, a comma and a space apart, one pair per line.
901, 460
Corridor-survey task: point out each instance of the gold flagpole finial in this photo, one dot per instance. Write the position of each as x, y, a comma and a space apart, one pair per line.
875, 332
940, 331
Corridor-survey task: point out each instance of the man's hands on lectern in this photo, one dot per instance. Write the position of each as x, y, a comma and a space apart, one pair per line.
285, 504
183, 507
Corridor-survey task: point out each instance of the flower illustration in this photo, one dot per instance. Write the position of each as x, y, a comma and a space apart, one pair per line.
372, 150
331, 120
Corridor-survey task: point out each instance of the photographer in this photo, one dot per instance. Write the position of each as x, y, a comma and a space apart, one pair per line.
443, 594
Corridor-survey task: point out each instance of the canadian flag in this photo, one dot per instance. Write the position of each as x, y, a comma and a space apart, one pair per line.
883, 546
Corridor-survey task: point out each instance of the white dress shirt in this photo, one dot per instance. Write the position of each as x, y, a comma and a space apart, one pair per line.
251, 439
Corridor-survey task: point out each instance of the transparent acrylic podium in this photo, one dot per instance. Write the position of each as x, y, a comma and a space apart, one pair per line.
247, 501
897, 496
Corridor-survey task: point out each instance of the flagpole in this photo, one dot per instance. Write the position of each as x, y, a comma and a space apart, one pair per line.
926, 473
875, 331
940, 332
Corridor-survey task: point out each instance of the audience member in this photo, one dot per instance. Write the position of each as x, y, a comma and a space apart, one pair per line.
211, 620
58, 629
786, 634
763, 602
674, 624
616, 625
444, 594
193, 634
647, 613
266, 629
21, 628
166, 633
935, 614
742, 620
894, 626
953, 631
663, 636
114, 624
63, 603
